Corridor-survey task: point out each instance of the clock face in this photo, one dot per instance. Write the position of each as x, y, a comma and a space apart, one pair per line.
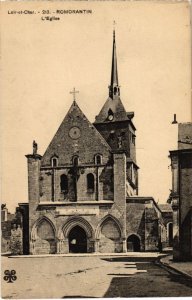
74, 133
110, 117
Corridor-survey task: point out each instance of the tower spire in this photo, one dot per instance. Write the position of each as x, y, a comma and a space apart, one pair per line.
114, 85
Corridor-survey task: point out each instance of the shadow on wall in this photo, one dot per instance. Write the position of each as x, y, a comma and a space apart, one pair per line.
185, 246
106, 178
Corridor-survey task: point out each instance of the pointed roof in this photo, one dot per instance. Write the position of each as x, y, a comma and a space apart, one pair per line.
114, 73
113, 109
73, 138
114, 89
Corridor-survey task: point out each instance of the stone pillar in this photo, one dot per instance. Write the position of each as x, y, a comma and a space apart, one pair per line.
65, 246
120, 190
60, 246
176, 247
100, 184
124, 242
175, 202
90, 246
97, 245
32, 247
33, 161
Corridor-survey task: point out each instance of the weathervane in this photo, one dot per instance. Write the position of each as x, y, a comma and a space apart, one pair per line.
74, 92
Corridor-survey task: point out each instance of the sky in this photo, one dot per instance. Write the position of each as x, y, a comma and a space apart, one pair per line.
41, 62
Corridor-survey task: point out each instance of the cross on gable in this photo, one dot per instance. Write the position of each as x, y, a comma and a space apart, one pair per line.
74, 92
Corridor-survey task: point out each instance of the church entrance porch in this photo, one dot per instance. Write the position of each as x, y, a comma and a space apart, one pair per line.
76, 236
133, 243
77, 240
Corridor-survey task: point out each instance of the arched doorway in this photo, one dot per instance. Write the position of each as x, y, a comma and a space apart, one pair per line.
77, 240
133, 243
170, 234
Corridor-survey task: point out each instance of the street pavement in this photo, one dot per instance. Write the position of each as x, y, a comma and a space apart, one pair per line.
183, 267
91, 276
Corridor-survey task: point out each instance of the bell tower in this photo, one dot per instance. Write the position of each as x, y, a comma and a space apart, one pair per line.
114, 89
116, 126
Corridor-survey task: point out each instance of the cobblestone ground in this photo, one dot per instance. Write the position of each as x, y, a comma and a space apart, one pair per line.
66, 277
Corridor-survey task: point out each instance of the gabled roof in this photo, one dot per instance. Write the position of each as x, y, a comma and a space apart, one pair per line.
75, 136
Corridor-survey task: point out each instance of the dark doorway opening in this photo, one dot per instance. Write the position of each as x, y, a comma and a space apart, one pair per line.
170, 234
133, 243
77, 240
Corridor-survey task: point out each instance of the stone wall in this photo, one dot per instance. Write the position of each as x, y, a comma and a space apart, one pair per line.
5, 236
52, 226
50, 190
16, 240
142, 222
135, 214
185, 205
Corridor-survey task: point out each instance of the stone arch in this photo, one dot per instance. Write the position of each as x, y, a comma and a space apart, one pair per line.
77, 240
109, 235
43, 236
37, 223
67, 228
133, 243
76, 221
109, 216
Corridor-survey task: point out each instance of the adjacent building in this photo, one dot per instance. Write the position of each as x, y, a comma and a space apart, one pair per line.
167, 215
181, 195
11, 232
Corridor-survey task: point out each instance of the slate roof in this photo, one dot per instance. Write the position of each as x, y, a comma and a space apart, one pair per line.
86, 146
117, 108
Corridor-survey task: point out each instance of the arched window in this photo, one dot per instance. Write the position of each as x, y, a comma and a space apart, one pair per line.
98, 159
75, 160
54, 162
90, 183
64, 183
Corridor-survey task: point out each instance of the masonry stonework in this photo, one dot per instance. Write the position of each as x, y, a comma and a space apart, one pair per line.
83, 192
181, 194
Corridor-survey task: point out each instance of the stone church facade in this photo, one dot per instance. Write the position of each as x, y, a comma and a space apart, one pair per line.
83, 192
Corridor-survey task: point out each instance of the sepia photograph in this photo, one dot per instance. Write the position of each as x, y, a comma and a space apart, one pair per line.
96, 149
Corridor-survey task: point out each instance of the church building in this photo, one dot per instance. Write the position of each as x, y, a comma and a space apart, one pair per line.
83, 192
